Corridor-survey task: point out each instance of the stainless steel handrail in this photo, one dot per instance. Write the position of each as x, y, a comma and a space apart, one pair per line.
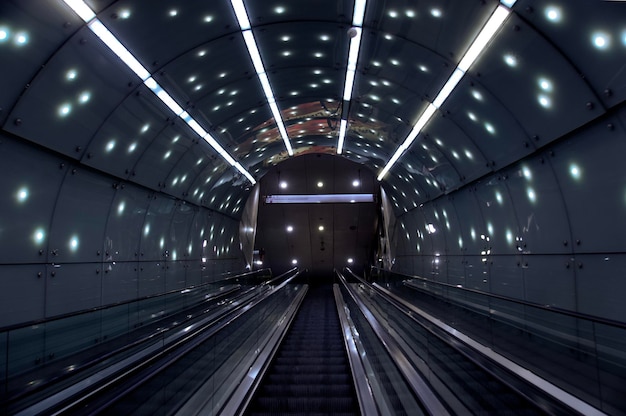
559, 395
359, 376
170, 353
420, 387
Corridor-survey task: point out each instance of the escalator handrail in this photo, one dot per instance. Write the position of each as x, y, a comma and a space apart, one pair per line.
546, 308
420, 387
458, 340
172, 351
364, 392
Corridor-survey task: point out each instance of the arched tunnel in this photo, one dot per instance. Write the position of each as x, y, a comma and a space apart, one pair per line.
142, 142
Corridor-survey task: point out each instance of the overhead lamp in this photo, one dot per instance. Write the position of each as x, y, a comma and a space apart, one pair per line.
319, 199
109, 39
257, 62
355, 33
480, 43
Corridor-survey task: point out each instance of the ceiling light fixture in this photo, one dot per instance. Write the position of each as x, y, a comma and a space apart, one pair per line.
355, 33
109, 39
253, 51
480, 43
319, 199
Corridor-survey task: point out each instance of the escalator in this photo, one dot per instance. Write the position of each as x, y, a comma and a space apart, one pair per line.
310, 373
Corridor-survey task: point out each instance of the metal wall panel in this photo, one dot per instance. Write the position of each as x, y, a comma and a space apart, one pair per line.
72, 96
542, 217
506, 276
459, 149
550, 280
489, 124
590, 34
473, 228
31, 37
124, 223
72, 287
29, 184
23, 288
535, 82
120, 282
601, 284
155, 230
151, 278
498, 212
591, 173
160, 157
80, 216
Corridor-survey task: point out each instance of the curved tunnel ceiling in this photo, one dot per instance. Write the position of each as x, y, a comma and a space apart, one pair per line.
547, 71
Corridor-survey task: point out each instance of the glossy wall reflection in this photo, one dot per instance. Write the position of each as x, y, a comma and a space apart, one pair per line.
72, 238
546, 229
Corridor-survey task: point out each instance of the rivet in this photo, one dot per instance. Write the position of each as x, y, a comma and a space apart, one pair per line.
580, 265
578, 242
608, 92
39, 274
17, 121
610, 126
590, 105
565, 243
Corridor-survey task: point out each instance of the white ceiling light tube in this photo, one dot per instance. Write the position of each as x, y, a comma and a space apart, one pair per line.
81, 9
355, 33
342, 135
98, 28
257, 62
486, 34
319, 199
120, 50
480, 43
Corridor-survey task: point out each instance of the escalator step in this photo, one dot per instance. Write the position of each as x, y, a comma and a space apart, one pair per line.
310, 374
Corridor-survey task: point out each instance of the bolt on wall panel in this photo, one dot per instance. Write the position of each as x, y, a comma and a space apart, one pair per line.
24, 289
591, 173
72, 95
124, 227
29, 183
80, 217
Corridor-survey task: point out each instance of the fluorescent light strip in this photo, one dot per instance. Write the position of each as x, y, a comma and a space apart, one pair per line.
319, 198
342, 135
358, 15
484, 37
81, 9
96, 26
257, 62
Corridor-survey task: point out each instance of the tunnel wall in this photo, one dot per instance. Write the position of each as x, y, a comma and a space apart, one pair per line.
73, 238
548, 229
